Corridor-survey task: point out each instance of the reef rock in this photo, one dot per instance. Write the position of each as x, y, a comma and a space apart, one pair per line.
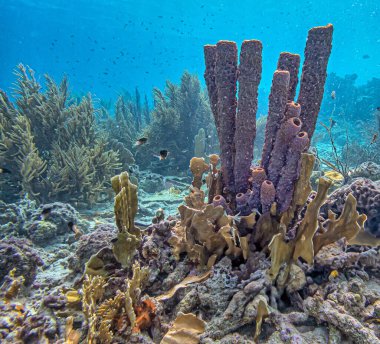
14, 215
51, 220
151, 182
155, 252
90, 244
18, 254
368, 169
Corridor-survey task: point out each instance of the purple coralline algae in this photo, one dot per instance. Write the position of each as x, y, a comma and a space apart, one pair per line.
17, 253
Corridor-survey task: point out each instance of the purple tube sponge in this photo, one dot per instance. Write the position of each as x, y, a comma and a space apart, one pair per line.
257, 178
277, 103
317, 53
242, 206
242, 198
249, 79
219, 200
285, 135
225, 82
267, 195
290, 171
293, 109
291, 63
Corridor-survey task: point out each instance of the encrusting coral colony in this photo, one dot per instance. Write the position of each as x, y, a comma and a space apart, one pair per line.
254, 248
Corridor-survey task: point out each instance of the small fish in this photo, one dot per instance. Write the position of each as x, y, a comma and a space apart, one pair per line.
4, 170
163, 154
141, 141
19, 308
365, 56
333, 122
374, 139
378, 108
45, 213
333, 95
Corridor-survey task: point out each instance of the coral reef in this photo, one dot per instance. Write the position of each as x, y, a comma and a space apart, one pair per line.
123, 127
186, 328
350, 307
129, 236
156, 253
254, 255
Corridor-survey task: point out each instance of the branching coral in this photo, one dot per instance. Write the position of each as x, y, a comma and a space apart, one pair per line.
51, 143
122, 128
105, 317
177, 116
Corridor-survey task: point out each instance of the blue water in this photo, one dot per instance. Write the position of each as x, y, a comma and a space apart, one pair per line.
106, 47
